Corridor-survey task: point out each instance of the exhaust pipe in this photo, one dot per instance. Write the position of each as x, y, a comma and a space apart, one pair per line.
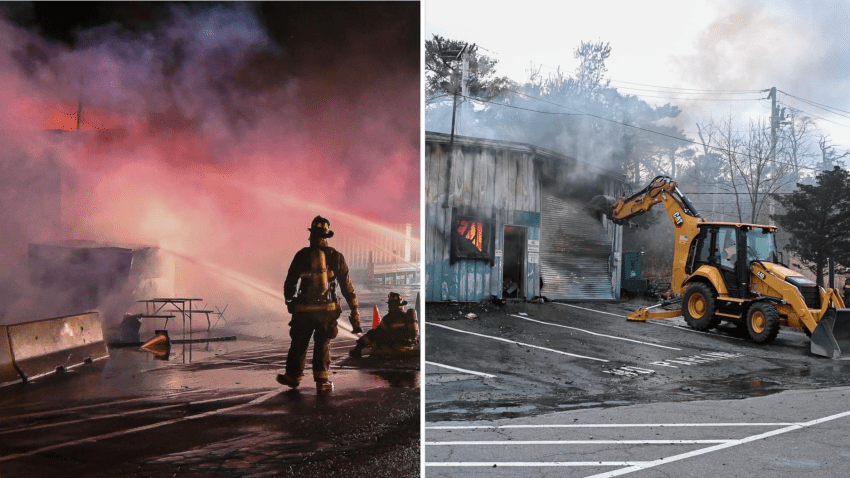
832, 335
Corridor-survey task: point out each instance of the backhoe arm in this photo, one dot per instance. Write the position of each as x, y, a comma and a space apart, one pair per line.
662, 189
682, 214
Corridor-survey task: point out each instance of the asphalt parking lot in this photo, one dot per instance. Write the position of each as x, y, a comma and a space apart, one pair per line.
556, 363
220, 414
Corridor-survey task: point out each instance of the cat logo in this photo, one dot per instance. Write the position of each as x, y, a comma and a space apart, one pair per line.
678, 218
760, 274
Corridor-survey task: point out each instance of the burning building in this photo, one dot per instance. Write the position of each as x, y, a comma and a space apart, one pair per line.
508, 219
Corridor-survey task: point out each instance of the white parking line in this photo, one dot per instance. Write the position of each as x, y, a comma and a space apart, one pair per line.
578, 442
518, 343
460, 369
502, 464
593, 333
591, 310
629, 466
654, 321
723, 446
688, 329
608, 425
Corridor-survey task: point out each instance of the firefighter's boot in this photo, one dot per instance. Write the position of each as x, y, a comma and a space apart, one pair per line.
324, 387
285, 379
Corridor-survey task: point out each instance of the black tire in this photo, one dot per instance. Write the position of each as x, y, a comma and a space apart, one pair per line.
763, 322
698, 307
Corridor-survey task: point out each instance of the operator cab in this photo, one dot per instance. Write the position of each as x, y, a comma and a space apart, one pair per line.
761, 245
730, 248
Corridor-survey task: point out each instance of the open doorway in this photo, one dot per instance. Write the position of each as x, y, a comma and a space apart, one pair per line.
513, 271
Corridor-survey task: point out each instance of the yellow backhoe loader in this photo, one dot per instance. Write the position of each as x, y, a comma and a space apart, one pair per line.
732, 271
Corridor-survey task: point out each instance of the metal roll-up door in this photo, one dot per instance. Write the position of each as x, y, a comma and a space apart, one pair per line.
575, 251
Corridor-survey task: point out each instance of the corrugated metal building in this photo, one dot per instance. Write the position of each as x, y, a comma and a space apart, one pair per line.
503, 219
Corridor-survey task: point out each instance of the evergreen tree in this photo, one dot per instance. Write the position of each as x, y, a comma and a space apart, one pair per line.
817, 218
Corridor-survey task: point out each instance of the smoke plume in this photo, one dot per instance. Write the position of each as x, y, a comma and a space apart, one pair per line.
209, 135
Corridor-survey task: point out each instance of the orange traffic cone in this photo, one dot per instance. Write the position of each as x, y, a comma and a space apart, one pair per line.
159, 345
376, 317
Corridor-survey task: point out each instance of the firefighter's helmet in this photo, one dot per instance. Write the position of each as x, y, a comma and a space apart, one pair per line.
394, 298
320, 227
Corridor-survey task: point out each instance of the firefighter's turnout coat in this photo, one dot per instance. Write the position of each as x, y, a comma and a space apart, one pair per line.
314, 273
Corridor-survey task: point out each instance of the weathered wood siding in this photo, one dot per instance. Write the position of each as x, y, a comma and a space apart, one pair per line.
486, 182
494, 180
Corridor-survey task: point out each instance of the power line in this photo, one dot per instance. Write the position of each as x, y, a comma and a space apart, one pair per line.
437, 98
837, 114
691, 89
491, 51
685, 92
686, 98
825, 107
828, 111
816, 116
472, 98
686, 140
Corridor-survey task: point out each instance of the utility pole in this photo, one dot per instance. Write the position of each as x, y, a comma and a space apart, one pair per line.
774, 124
465, 86
460, 54
454, 112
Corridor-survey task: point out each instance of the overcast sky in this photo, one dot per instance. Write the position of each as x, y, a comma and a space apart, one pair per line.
800, 47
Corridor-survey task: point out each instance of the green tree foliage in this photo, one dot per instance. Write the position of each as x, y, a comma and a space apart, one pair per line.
817, 219
584, 117
443, 70
590, 73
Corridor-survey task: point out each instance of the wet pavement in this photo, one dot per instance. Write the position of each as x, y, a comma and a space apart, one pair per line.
549, 357
784, 435
219, 414
576, 390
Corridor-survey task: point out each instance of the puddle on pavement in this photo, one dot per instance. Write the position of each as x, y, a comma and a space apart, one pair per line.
398, 378
240, 364
509, 409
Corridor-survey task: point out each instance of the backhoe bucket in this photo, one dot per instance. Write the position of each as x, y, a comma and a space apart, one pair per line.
832, 335
603, 204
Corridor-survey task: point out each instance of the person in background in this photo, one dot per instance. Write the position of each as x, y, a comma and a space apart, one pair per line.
398, 328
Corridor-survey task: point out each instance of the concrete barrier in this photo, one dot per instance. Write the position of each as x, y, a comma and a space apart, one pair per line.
42, 346
8, 372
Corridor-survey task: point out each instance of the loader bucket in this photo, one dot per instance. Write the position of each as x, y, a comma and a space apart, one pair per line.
832, 335
603, 204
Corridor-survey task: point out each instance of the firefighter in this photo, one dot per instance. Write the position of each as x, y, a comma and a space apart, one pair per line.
316, 308
397, 329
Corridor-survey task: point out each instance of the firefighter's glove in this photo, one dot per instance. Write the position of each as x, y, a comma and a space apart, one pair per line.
354, 318
289, 305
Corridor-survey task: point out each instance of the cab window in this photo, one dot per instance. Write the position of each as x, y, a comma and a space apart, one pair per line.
727, 247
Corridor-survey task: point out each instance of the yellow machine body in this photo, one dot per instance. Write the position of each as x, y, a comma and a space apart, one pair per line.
762, 296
